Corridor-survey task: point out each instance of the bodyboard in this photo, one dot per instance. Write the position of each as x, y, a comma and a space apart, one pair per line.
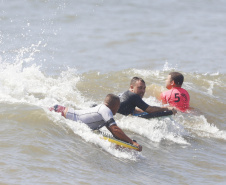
153, 115
118, 142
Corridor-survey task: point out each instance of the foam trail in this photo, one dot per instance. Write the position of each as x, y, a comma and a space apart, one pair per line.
86, 133
156, 129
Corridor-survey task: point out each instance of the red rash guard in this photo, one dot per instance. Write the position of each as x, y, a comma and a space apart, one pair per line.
176, 97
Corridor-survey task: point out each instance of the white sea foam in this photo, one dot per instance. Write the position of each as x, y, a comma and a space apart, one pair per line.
200, 126
89, 136
30, 85
169, 67
156, 130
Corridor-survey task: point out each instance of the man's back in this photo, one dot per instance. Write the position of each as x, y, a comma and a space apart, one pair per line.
176, 97
95, 117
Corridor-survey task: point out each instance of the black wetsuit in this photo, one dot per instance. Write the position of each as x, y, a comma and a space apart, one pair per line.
128, 102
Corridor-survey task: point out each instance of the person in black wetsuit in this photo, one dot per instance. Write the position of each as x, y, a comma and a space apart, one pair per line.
131, 100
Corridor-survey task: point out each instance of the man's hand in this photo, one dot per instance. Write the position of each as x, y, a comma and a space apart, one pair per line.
173, 110
139, 146
119, 134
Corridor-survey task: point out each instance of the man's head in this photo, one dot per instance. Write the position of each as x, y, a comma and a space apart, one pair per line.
137, 86
175, 79
112, 102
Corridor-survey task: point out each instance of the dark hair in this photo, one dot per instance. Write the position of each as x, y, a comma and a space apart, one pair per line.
111, 100
177, 77
135, 79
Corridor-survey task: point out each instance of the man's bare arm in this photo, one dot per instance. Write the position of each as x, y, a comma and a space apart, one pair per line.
152, 109
119, 134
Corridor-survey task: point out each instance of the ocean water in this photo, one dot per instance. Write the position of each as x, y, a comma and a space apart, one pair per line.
74, 53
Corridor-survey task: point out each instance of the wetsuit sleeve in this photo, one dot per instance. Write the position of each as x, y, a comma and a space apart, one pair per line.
110, 122
140, 103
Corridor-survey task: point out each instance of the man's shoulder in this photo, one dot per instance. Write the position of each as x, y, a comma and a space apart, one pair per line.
181, 90
184, 90
129, 96
125, 93
128, 93
102, 108
105, 112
